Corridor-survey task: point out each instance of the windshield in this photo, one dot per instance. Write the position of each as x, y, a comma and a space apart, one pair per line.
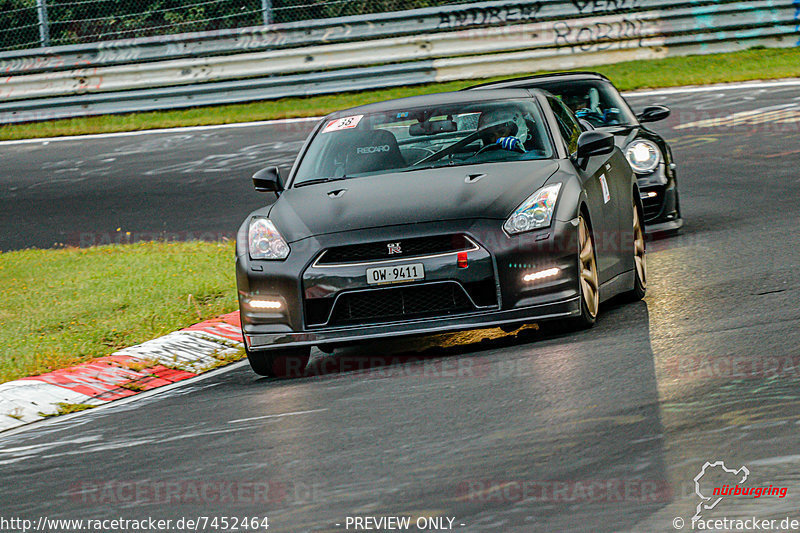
595, 101
425, 137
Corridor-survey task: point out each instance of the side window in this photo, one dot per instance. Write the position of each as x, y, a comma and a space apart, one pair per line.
567, 123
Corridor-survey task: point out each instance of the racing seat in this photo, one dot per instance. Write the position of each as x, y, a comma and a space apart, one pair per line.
594, 101
372, 150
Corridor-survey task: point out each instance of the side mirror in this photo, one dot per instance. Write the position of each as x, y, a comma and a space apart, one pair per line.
268, 180
592, 143
653, 113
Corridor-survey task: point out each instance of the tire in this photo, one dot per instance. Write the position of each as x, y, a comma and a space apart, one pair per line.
588, 279
281, 363
639, 257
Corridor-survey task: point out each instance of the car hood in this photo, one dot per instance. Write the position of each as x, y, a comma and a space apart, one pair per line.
448, 193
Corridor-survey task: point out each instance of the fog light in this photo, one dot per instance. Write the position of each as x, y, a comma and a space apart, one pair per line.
549, 273
265, 304
462, 260
651, 194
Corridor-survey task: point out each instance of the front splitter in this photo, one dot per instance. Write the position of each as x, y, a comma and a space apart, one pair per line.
477, 320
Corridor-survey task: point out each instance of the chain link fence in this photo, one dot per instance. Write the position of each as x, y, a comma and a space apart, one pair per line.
35, 23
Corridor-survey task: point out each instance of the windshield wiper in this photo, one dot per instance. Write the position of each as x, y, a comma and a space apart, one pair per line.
450, 164
319, 180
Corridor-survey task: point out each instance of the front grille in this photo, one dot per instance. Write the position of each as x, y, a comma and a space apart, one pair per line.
397, 303
483, 293
414, 247
652, 206
318, 310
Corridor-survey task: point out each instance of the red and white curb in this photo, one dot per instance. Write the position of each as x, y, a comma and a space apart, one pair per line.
174, 357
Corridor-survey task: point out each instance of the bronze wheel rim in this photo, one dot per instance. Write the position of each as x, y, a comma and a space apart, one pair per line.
639, 248
588, 269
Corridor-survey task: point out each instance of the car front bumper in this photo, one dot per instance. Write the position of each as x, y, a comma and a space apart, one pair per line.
427, 326
663, 228
499, 266
659, 195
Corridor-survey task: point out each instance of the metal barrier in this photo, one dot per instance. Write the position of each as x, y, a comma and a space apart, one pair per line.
29, 23
389, 49
313, 32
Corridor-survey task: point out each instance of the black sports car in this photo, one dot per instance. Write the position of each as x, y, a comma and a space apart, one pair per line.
598, 104
436, 213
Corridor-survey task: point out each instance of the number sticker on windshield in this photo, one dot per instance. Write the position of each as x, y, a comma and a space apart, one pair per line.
345, 123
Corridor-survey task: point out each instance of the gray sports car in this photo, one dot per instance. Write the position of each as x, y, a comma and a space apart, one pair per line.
599, 105
436, 213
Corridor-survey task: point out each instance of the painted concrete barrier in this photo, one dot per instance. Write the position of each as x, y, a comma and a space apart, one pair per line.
174, 357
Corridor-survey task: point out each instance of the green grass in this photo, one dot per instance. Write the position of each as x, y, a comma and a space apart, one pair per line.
65, 306
68, 408
751, 64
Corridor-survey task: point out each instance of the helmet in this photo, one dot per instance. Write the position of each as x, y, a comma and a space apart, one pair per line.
500, 116
576, 101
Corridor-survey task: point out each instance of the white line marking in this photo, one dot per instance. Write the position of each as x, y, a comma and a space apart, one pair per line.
715, 87
770, 461
630, 94
41, 424
775, 113
276, 416
163, 130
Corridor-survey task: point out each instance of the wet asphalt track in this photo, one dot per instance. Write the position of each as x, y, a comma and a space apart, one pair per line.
706, 368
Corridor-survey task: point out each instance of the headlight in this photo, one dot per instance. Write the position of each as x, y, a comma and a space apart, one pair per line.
265, 242
643, 156
535, 212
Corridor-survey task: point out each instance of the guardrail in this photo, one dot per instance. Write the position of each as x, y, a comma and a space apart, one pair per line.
314, 32
404, 48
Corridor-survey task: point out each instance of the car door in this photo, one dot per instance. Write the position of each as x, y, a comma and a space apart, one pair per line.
620, 179
600, 180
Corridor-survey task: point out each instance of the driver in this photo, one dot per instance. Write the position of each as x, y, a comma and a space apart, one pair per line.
576, 101
588, 107
505, 127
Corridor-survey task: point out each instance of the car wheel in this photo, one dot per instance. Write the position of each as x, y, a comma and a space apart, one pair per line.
281, 363
589, 280
639, 258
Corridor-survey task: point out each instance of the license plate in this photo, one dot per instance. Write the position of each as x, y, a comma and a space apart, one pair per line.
394, 274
